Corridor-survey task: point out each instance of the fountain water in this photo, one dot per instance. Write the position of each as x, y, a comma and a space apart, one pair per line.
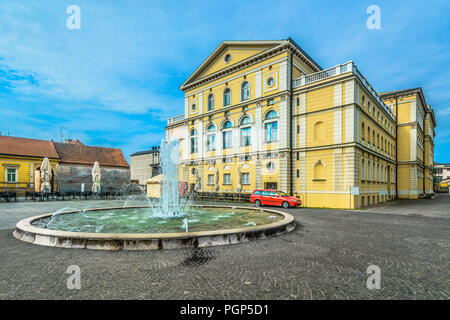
171, 204
154, 224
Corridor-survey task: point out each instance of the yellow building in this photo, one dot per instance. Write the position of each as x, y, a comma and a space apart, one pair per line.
415, 127
20, 161
263, 114
71, 162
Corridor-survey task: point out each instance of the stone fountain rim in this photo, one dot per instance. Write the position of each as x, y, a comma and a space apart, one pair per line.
25, 231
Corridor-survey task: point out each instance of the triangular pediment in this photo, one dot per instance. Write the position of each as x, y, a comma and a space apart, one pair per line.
227, 54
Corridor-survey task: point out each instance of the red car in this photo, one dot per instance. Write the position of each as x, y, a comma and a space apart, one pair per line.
273, 198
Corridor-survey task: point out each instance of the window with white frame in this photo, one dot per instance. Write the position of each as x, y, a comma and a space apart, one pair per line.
245, 91
11, 174
194, 141
245, 178
227, 97
210, 102
211, 138
210, 179
245, 131
227, 134
227, 178
271, 126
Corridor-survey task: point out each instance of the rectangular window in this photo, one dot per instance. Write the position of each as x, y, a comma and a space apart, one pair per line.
270, 102
245, 136
226, 178
298, 173
11, 175
245, 178
194, 145
211, 142
227, 139
271, 131
210, 179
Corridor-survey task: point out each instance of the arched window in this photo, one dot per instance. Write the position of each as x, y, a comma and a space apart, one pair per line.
194, 141
227, 134
271, 126
211, 138
271, 115
245, 131
245, 91
227, 97
363, 170
363, 131
227, 125
319, 131
319, 171
373, 138
210, 102
245, 120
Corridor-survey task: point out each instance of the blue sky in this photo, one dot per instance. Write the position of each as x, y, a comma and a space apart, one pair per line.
115, 81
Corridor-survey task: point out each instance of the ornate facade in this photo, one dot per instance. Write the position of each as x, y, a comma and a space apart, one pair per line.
264, 114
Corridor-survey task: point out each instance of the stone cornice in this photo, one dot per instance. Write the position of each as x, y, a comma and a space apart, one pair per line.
287, 46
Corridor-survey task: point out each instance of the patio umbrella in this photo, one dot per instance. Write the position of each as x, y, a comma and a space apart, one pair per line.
96, 176
46, 176
216, 186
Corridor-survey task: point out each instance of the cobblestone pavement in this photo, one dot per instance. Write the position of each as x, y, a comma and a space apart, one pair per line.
325, 257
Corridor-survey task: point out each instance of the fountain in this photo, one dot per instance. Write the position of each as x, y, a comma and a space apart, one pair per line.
144, 224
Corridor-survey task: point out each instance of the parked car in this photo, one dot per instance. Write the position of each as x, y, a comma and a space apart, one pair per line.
271, 197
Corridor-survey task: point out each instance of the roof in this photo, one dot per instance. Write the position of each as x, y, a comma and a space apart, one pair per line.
27, 147
77, 152
419, 91
442, 164
139, 153
398, 92
272, 43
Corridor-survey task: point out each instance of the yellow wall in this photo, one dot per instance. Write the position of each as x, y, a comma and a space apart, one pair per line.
25, 177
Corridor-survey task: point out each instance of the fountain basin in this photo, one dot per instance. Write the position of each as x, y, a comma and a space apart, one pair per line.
26, 231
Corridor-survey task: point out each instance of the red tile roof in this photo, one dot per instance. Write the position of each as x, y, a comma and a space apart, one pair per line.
69, 152
27, 147
77, 152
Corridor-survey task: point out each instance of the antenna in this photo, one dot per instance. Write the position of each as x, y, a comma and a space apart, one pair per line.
61, 133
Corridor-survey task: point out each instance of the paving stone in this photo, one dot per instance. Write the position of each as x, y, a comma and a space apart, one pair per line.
325, 257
